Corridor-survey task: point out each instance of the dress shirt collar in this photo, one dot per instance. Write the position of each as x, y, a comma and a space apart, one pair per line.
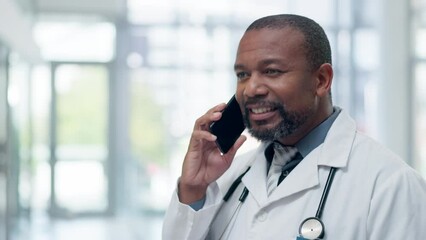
313, 139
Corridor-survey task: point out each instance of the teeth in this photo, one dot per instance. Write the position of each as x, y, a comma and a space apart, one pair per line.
260, 110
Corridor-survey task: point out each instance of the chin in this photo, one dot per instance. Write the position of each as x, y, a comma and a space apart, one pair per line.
263, 134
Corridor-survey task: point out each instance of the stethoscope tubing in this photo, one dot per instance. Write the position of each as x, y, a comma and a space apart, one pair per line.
313, 227
234, 186
320, 208
325, 192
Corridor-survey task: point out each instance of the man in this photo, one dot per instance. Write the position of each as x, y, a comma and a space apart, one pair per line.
284, 72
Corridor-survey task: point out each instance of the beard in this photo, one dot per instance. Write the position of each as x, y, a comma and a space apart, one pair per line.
290, 122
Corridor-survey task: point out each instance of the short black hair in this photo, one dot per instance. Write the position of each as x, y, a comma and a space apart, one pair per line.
318, 50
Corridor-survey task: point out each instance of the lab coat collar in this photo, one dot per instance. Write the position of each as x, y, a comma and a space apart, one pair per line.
338, 142
334, 152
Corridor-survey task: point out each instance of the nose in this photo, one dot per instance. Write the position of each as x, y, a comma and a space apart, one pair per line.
254, 86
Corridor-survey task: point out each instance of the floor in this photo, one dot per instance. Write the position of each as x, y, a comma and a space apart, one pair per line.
107, 228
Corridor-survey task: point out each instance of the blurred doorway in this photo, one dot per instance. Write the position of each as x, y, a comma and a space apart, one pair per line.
79, 130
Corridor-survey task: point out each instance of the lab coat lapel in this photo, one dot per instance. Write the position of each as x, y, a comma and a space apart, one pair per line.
303, 177
255, 179
338, 144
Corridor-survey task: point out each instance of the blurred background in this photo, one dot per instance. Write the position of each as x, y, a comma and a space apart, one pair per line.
98, 99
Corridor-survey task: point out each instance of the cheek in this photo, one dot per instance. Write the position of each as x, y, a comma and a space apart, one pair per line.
294, 95
239, 94
286, 91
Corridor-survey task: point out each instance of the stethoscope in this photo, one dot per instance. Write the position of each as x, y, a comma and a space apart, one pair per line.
311, 228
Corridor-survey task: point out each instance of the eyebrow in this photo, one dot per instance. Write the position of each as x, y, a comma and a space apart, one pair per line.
262, 63
238, 66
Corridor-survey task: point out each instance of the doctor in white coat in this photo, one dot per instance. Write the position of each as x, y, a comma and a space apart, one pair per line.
284, 72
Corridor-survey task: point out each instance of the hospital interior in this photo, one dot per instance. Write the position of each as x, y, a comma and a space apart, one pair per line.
98, 99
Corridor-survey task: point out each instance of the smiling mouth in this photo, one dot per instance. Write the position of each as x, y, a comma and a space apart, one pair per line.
261, 110
261, 114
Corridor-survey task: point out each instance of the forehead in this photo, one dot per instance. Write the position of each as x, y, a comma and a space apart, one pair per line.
271, 43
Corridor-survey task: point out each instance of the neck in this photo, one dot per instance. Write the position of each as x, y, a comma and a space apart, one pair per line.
320, 117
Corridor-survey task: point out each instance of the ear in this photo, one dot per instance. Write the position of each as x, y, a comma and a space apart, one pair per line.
324, 76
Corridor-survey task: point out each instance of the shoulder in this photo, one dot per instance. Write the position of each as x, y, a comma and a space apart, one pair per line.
380, 165
374, 153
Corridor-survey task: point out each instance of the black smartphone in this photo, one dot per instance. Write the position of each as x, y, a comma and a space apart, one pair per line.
229, 127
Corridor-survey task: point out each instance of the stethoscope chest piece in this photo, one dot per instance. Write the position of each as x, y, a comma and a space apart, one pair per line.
312, 228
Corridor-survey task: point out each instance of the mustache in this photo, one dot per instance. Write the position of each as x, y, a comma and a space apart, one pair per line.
260, 101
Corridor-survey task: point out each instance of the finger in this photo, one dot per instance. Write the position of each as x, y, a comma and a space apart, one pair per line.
213, 114
233, 150
198, 136
219, 107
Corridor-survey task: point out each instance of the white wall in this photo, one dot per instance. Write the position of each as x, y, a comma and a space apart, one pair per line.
111, 9
16, 31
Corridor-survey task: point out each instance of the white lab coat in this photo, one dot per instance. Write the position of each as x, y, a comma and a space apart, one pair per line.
374, 195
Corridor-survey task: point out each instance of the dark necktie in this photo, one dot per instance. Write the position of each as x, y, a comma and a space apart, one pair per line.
297, 158
282, 163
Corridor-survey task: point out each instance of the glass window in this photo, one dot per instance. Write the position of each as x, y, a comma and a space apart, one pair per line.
3, 94
81, 152
89, 41
366, 58
40, 115
146, 12
420, 117
419, 84
19, 100
420, 39
3, 139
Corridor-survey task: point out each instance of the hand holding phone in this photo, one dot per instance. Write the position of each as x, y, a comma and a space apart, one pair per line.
229, 127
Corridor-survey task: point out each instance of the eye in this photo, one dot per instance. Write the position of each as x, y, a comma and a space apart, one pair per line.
242, 75
273, 72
